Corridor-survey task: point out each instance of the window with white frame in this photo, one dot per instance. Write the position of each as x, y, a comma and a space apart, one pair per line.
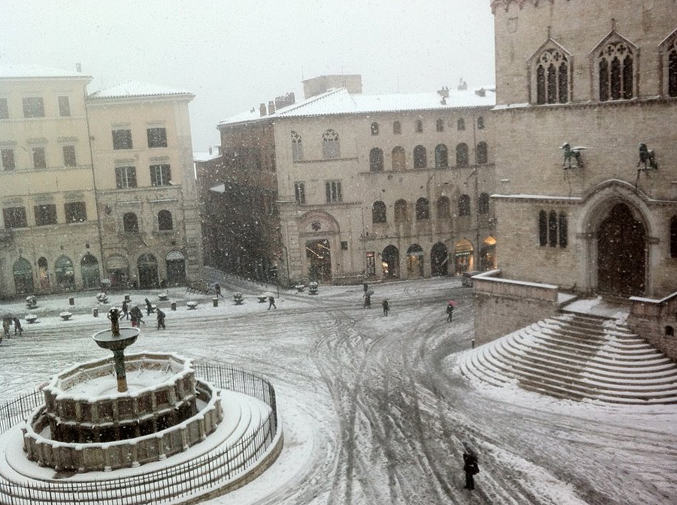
125, 177
160, 175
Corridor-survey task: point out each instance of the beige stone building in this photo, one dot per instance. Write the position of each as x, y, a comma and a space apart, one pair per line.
382, 186
63, 214
601, 76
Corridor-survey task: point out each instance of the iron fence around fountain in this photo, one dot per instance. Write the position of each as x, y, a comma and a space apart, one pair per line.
189, 478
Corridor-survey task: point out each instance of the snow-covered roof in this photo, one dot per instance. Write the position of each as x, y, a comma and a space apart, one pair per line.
340, 101
129, 89
206, 155
29, 71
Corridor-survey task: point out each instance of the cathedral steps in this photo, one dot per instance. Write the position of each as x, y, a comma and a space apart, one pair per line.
578, 357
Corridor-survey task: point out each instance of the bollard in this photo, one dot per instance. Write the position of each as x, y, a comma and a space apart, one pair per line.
95, 312
173, 306
215, 301
71, 301
473, 343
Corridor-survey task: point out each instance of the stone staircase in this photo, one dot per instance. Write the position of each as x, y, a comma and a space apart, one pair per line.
579, 357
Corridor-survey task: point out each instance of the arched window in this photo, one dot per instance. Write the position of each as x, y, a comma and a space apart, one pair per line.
480, 123
419, 126
296, 146
378, 212
23, 276
673, 237
464, 205
331, 148
462, 155
441, 156
443, 208
422, 209
483, 205
543, 228
481, 153
671, 54
439, 125
420, 157
552, 77
616, 72
376, 160
64, 273
374, 128
130, 223
400, 211
563, 230
397, 128
399, 158
552, 228
460, 124
164, 220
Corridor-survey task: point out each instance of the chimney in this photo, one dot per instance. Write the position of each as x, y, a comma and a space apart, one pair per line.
291, 98
462, 85
271, 107
444, 92
210, 150
78, 67
481, 92
262, 109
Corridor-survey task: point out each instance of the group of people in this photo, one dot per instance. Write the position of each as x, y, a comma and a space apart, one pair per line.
367, 300
135, 315
7, 323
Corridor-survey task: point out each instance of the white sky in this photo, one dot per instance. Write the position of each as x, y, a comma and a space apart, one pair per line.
235, 54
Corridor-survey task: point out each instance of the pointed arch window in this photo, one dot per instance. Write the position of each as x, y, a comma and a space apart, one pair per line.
480, 123
376, 160
616, 63
165, 221
563, 230
441, 156
669, 63
296, 146
420, 157
331, 148
422, 209
462, 155
378, 212
552, 228
399, 158
443, 208
481, 153
552, 76
543, 228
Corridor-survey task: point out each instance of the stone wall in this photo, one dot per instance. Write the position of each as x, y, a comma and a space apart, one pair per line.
651, 319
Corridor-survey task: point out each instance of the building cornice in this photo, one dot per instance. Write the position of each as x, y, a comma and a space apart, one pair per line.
496, 4
592, 104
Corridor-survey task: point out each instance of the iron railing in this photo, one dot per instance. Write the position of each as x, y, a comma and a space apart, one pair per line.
190, 477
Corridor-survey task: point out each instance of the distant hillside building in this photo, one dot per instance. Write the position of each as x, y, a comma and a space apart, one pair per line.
93, 187
343, 186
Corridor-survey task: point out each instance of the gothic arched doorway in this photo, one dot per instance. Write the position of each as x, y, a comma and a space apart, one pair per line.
621, 253
390, 262
439, 259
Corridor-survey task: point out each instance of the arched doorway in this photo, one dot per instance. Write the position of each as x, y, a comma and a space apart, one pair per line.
64, 273
23, 276
621, 253
439, 259
118, 270
463, 260
488, 254
176, 268
390, 262
147, 265
415, 261
318, 254
43, 274
89, 267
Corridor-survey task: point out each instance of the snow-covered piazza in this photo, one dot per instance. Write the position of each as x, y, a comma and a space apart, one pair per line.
375, 409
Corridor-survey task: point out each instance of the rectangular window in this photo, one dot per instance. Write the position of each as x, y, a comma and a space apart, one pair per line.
15, 217
4, 109
64, 106
76, 212
122, 139
333, 191
300, 191
34, 107
39, 158
69, 159
45, 214
157, 137
160, 175
8, 159
125, 177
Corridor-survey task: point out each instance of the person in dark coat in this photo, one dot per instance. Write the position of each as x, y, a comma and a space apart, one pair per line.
470, 467
6, 322
136, 316
17, 326
271, 302
386, 307
125, 310
160, 319
149, 307
367, 301
217, 288
450, 311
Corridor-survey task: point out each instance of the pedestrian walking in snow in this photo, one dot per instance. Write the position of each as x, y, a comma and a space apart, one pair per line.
149, 307
450, 311
125, 310
367, 301
136, 316
17, 326
217, 288
160, 319
386, 308
470, 466
6, 321
271, 302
